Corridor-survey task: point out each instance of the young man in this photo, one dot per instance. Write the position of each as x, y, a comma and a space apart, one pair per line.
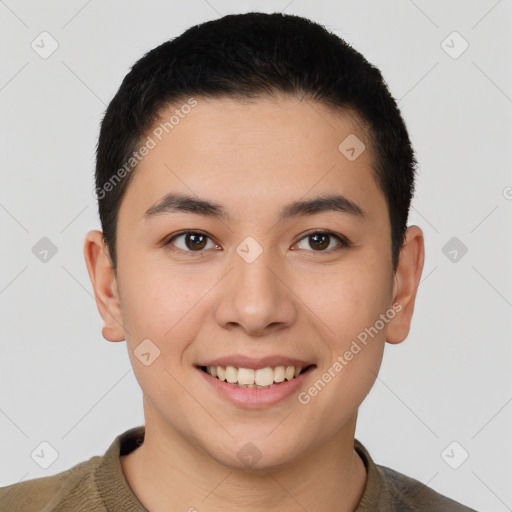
254, 178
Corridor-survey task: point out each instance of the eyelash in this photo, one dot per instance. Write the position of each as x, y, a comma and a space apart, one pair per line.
342, 241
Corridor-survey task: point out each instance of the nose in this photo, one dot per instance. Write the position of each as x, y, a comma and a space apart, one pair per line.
255, 297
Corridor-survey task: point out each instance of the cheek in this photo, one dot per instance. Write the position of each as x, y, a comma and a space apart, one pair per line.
349, 302
354, 339
164, 305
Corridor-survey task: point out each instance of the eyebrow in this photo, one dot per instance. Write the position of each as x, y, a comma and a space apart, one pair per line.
173, 203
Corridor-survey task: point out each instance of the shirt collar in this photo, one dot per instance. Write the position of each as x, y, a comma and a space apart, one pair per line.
119, 497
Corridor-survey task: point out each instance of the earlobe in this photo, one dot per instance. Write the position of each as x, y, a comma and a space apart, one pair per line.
104, 283
407, 280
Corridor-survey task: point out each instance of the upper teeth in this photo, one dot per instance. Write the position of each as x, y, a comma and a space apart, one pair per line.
248, 376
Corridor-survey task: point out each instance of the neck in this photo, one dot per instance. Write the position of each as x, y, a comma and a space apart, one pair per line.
167, 470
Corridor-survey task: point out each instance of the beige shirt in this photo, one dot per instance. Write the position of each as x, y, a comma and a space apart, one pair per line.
99, 485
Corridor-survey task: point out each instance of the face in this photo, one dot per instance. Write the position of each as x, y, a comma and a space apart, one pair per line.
248, 281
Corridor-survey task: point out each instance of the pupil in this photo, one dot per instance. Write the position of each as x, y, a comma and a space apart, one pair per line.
196, 239
316, 241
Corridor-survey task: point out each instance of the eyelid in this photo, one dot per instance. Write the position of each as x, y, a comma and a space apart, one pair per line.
343, 242
167, 241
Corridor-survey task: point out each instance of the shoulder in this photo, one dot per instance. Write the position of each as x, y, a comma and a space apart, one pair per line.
388, 490
48, 494
96, 484
408, 494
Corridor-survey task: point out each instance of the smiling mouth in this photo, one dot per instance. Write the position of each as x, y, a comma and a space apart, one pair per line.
260, 378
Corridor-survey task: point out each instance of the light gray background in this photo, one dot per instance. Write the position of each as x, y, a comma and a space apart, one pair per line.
62, 383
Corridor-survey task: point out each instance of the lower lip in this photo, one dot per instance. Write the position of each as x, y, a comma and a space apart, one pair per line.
253, 398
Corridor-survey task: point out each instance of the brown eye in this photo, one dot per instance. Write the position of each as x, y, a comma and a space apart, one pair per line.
320, 240
190, 241
195, 241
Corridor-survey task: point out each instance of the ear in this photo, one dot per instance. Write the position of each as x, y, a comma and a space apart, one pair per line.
104, 283
407, 280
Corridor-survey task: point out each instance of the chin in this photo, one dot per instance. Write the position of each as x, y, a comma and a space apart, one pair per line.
254, 453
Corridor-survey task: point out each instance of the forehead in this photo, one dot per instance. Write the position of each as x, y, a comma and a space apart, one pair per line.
279, 149
227, 126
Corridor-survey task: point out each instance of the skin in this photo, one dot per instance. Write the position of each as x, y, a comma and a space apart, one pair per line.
253, 158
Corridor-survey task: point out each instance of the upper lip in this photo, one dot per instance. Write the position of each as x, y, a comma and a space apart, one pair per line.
241, 361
